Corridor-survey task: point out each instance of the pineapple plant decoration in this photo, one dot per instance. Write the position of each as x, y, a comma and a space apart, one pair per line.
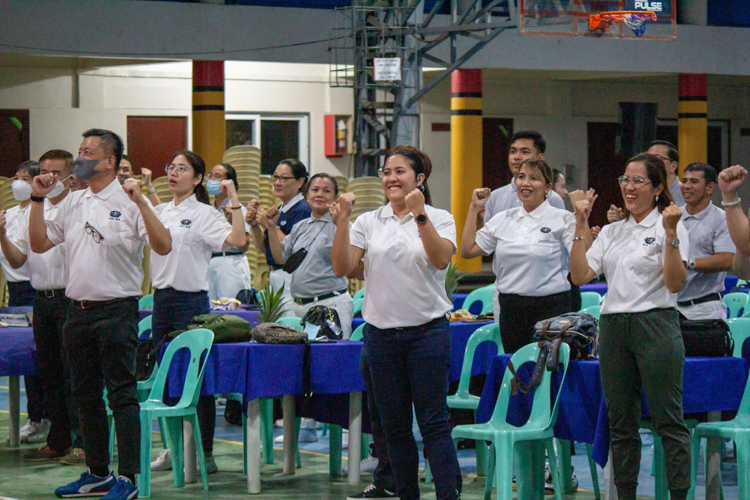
271, 303
451, 279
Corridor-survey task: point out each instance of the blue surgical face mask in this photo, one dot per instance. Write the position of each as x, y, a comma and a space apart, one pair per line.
84, 169
213, 187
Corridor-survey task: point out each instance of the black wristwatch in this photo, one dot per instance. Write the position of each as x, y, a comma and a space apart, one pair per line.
421, 218
38, 199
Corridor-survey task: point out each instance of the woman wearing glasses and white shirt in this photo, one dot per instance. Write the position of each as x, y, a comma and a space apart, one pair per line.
644, 258
289, 181
404, 249
532, 254
180, 277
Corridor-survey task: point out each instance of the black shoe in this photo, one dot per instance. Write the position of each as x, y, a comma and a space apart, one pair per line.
373, 491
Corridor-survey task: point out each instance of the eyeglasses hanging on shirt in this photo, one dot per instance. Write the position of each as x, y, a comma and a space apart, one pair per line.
295, 260
94, 233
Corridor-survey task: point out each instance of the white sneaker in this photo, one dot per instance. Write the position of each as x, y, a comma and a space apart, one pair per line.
368, 465
345, 440
24, 432
163, 461
279, 423
305, 436
39, 431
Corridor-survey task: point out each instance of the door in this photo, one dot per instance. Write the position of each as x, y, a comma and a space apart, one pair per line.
605, 166
152, 140
496, 133
14, 139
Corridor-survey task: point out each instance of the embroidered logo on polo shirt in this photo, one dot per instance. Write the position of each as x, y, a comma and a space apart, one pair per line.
114, 215
648, 241
185, 223
545, 230
282, 223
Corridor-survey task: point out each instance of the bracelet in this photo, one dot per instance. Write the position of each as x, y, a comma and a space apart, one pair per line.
731, 203
38, 199
151, 191
236, 208
579, 238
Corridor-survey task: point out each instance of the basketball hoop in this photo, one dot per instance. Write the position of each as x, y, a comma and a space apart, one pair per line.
635, 19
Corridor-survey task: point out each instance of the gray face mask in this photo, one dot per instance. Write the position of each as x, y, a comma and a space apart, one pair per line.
84, 169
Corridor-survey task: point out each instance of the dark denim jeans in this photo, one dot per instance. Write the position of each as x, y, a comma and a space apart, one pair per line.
410, 366
100, 347
174, 310
49, 319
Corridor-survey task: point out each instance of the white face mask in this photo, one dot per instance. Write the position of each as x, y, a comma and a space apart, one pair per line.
21, 190
57, 191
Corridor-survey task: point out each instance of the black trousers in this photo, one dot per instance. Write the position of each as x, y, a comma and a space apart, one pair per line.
48, 322
100, 345
519, 313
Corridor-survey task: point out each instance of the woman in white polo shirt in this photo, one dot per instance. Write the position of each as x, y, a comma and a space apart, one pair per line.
181, 277
532, 254
644, 258
404, 249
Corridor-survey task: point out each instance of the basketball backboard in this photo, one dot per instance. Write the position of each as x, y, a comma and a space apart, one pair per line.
571, 18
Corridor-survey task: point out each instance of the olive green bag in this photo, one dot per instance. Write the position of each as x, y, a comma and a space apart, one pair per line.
227, 328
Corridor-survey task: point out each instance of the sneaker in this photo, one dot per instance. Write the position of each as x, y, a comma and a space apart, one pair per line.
373, 491
75, 456
44, 454
162, 462
23, 432
550, 486
279, 423
39, 431
305, 436
88, 485
345, 440
368, 465
211, 467
122, 490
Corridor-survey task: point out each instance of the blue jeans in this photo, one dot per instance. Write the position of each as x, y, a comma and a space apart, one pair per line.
174, 310
410, 366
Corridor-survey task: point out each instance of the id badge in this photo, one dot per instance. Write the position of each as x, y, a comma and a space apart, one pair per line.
312, 331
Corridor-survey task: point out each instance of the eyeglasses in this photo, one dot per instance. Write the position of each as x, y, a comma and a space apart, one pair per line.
637, 181
282, 178
177, 169
94, 233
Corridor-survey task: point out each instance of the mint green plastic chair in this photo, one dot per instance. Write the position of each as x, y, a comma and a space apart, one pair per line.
504, 436
738, 430
357, 333
462, 400
358, 305
589, 299
483, 295
595, 311
736, 303
199, 342
740, 328
146, 302
291, 321
360, 294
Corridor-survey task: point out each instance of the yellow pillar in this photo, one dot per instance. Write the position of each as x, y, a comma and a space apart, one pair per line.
466, 151
692, 124
209, 128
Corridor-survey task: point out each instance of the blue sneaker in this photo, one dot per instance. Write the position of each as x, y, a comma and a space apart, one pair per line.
88, 485
123, 490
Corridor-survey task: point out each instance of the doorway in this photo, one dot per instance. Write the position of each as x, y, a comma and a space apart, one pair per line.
496, 134
14, 140
604, 166
152, 140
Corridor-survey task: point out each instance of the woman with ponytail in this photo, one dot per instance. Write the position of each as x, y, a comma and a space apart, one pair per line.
180, 277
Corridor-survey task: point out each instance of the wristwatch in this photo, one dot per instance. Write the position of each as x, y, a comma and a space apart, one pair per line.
691, 264
675, 243
151, 191
421, 218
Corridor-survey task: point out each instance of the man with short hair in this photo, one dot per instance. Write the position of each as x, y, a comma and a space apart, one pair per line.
125, 170
104, 229
48, 278
711, 248
666, 152
524, 145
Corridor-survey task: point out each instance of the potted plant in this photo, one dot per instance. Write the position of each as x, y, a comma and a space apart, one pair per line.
271, 303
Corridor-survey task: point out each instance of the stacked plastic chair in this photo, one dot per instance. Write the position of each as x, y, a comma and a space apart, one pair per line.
369, 195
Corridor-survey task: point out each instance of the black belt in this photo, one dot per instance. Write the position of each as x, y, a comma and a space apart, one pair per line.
700, 300
95, 304
226, 254
51, 294
302, 302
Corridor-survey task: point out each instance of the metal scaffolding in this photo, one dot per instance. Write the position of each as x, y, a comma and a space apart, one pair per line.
385, 111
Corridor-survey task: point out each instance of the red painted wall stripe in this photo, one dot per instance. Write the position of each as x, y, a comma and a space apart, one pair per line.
466, 80
208, 73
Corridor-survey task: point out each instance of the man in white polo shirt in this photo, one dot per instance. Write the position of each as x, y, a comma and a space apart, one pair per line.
104, 228
711, 248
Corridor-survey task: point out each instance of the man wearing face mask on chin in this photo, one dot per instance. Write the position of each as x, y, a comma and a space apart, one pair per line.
48, 278
104, 229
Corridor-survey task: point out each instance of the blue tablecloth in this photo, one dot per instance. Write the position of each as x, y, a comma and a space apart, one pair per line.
17, 352
710, 384
252, 317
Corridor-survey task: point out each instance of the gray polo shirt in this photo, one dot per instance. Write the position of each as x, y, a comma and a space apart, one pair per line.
506, 197
708, 236
674, 190
314, 277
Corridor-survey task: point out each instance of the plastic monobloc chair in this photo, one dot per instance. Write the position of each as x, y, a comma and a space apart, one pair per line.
738, 430
360, 294
589, 299
740, 328
146, 302
595, 311
291, 321
736, 303
358, 303
483, 295
198, 342
357, 333
296, 323
504, 436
